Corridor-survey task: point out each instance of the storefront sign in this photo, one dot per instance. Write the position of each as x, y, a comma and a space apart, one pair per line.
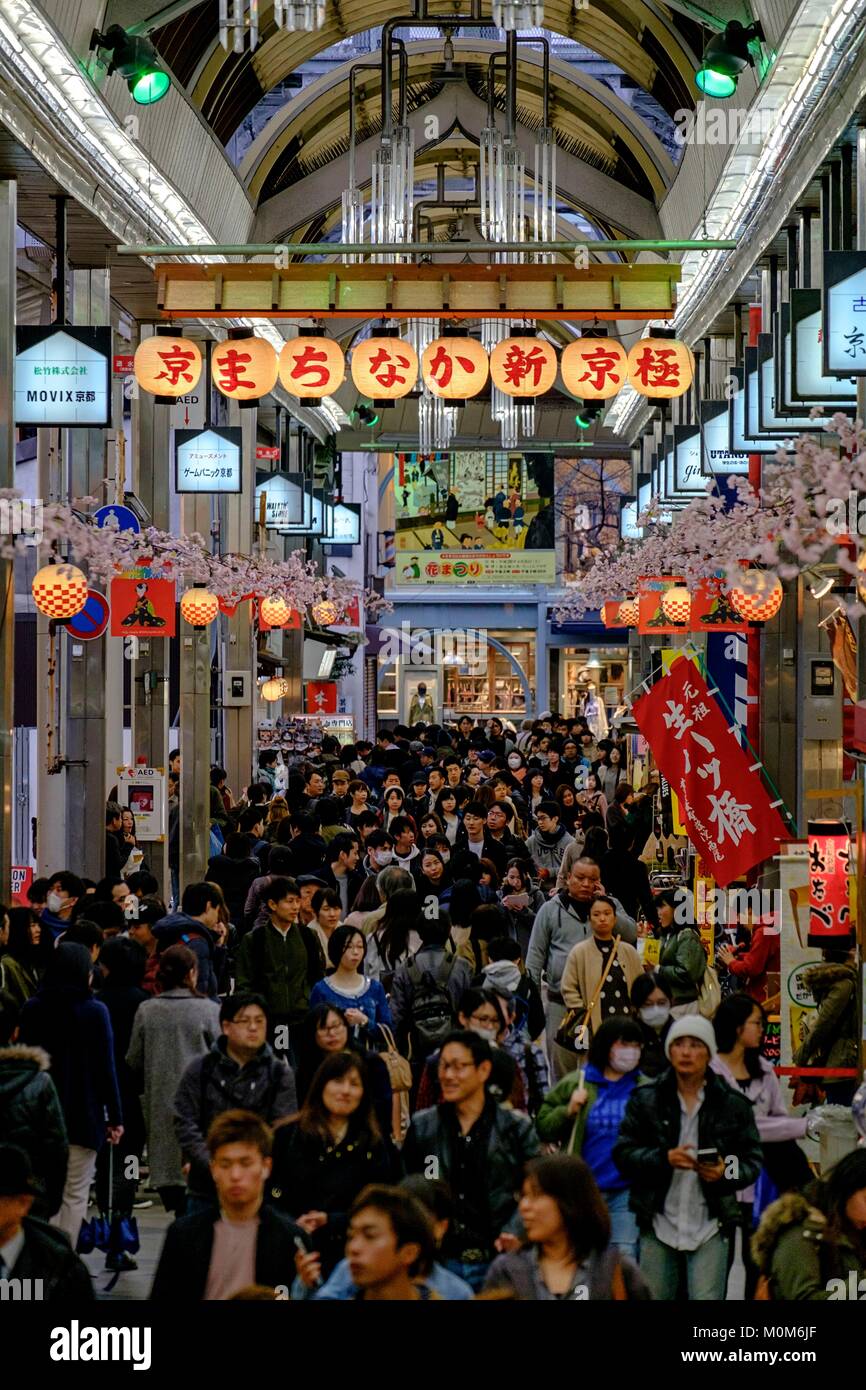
321, 697
208, 460
22, 877
728, 812
739, 440
716, 455
810, 383
62, 376
346, 524
829, 888
268, 451
467, 567
688, 476
123, 363
142, 789
844, 295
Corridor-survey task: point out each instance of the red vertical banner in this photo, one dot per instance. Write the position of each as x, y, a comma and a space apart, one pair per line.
730, 818
321, 697
830, 921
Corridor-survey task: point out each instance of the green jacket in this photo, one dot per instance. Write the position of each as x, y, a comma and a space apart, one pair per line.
794, 1250
832, 1039
553, 1122
267, 964
682, 963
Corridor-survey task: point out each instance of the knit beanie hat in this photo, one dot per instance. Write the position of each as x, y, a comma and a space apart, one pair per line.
692, 1026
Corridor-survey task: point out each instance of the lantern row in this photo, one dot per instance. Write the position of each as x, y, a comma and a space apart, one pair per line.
756, 597
384, 368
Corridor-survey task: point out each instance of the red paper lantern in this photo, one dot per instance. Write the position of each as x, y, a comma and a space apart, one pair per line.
199, 607
594, 369
660, 367
677, 604
59, 591
244, 369
757, 596
312, 367
167, 366
275, 611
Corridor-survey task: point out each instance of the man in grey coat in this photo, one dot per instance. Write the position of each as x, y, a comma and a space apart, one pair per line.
241, 1072
560, 924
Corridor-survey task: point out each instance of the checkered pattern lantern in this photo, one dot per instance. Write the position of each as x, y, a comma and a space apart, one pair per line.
275, 611
677, 604
59, 591
757, 596
628, 612
198, 607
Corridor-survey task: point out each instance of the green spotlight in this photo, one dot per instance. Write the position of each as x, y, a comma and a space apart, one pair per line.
725, 57
137, 61
715, 84
150, 87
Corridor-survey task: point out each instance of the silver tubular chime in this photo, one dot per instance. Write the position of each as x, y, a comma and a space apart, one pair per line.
517, 14
237, 17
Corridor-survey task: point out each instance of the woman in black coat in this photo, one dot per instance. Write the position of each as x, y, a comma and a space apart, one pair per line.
323, 1159
122, 962
325, 1031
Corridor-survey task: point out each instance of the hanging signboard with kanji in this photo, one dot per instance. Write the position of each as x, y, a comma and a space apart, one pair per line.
729, 815
830, 921
321, 697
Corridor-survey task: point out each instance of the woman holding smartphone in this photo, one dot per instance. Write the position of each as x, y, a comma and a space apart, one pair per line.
521, 900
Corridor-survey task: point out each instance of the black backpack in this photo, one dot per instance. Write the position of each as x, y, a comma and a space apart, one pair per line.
431, 1013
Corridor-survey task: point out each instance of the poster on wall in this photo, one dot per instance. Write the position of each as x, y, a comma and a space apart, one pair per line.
651, 616
797, 1004
142, 789
474, 517
62, 376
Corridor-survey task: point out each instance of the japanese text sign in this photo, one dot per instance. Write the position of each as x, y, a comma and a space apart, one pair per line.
829, 867
723, 802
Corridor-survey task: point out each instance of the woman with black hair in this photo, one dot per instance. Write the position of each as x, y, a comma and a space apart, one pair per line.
651, 1001
682, 959
569, 1254
584, 1112
361, 998
390, 944
812, 1246
329, 1153
325, 1031
569, 810
739, 1026
447, 810
23, 957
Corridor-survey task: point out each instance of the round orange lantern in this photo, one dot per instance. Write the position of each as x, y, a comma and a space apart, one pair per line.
677, 604
455, 368
523, 366
660, 367
198, 607
59, 591
244, 369
325, 612
594, 369
312, 366
628, 612
861, 576
274, 689
167, 366
384, 369
275, 611
757, 596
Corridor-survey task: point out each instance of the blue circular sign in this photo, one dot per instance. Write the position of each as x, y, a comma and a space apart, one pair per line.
126, 518
92, 620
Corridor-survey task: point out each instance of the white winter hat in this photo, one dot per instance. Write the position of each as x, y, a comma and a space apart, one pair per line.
692, 1026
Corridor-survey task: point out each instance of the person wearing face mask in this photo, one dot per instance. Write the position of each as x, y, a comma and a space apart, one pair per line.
64, 892
380, 852
583, 1113
651, 1000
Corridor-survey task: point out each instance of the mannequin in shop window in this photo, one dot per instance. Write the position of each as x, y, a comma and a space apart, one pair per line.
592, 710
421, 709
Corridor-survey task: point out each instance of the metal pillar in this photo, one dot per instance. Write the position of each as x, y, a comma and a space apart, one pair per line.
50, 712
8, 270
238, 646
84, 663
150, 481
195, 739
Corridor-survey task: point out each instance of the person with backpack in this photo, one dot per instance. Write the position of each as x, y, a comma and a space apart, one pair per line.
426, 991
479, 1148
240, 1072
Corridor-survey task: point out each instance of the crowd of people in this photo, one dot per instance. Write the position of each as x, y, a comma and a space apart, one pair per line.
423, 1029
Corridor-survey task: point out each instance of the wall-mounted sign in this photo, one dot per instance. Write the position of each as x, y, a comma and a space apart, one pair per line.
285, 500
123, 363
142, 606
688, 475
346, 527
208, 460
268, 451
188, 412
809, 381
771, 419
738, 440
63, 376
90, 621
628, 515
844, 305
142, 789
114, 514
321, 697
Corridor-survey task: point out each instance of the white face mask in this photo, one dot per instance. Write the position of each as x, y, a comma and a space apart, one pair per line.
444, 857
624, 1059
655, 1015
514, 762
484, 1031
54, 902
383, 856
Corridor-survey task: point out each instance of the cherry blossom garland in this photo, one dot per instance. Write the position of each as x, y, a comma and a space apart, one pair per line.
783, 529
105, 551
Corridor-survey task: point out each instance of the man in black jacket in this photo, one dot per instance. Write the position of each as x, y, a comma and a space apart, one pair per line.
687, 1144
344, 873
30, 1112
36, 1259
242, 1240
240, 1072
479, 1148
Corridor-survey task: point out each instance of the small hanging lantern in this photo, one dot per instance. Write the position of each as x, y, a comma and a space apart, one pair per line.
523, 366
455, 367
628, 612
660, 367
757, 596
167, 366
59, 591
861, 576
594, 369
199, 607
677, 604
274, 689
326, 612
384, 368
275, 611
244, 369
312, 366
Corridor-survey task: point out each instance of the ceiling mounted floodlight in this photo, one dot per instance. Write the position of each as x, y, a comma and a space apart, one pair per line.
588, 412
725, 57
136, 60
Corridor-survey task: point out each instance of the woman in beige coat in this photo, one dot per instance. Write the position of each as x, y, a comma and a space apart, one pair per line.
586, 965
